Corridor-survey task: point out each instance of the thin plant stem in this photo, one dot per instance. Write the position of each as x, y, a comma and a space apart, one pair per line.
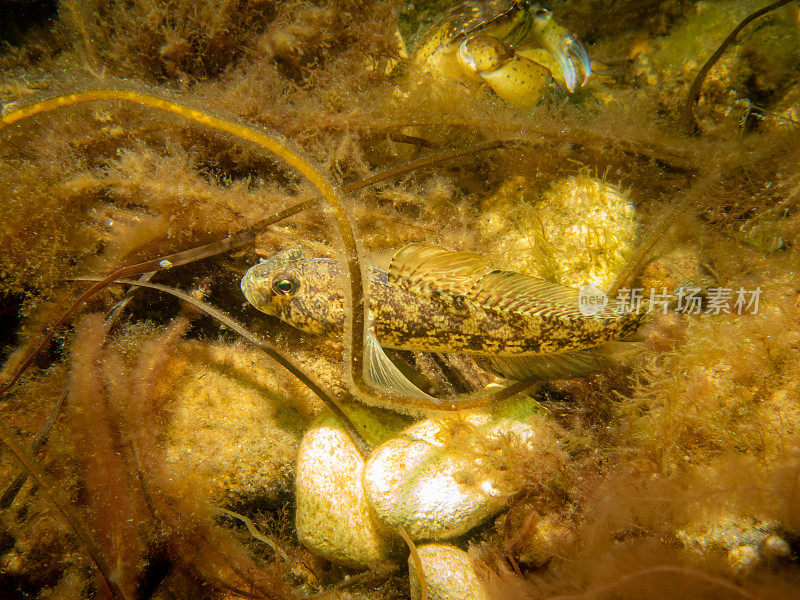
331, 402
431, 159
256, 534
412, 548
355, 293
237, 240
697, 84
245, 236
7, 499
635, 264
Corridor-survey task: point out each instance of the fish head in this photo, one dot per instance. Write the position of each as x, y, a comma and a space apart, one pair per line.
302, 291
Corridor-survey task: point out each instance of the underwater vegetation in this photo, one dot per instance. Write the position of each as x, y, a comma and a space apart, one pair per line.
165, 439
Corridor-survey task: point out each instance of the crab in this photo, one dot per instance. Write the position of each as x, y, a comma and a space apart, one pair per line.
495, 41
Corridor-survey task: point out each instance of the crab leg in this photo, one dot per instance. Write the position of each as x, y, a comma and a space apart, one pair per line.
514, 78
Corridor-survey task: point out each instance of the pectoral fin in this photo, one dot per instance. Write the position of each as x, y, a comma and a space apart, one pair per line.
381, 373
562, 365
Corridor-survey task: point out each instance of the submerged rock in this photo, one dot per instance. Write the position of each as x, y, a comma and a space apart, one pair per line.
443, 476
583, 231
333, 517
233, 427
449, 574
591, 227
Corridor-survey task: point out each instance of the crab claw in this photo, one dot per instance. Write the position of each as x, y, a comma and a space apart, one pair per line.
573, 46
562, 44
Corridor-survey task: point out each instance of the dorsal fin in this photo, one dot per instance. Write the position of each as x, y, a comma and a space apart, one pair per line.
512, 292
422, 269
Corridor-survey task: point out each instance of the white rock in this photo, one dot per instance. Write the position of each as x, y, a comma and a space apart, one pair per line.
449, 574
441, 477
333, 518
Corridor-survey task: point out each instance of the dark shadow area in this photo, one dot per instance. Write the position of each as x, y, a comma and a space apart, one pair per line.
19, 16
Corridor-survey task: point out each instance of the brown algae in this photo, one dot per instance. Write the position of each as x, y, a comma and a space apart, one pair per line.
135, 131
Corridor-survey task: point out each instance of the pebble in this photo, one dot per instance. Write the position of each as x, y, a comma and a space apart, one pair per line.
443, 476
449, 574
333, 518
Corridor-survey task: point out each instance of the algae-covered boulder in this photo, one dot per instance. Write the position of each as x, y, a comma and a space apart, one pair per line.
582, 231
232, 424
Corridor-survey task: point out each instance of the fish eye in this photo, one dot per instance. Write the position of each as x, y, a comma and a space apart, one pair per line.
285, 286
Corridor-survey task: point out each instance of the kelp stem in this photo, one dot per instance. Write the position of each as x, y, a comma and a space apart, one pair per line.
272, 142
274, 353
431, 159
240, 238
13, 488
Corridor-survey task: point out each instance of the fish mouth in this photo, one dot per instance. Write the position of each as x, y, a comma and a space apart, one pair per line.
252, 288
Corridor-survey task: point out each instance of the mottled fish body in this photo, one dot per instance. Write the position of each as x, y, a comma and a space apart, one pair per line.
435, 300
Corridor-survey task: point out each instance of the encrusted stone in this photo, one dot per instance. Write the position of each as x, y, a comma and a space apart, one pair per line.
333, 518
582, 231
443, 476
232, 428
449, 574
